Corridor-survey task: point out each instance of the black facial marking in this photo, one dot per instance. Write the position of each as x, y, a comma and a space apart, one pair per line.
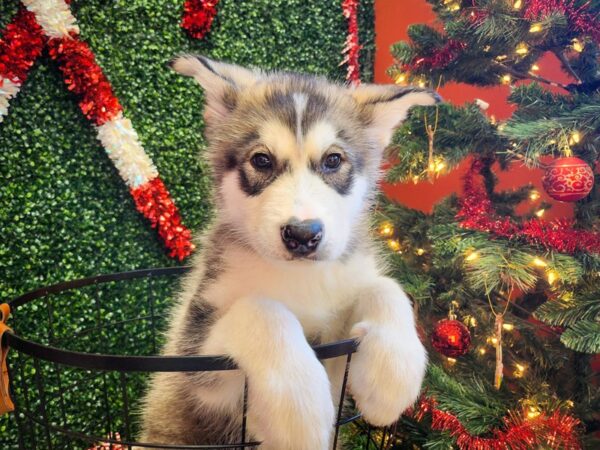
253, 181
340, 179
316, 108
281, 105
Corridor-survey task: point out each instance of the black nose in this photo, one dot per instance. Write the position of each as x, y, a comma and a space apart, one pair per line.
302, 237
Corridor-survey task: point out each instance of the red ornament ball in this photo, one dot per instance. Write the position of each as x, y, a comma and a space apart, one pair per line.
568, 179
451, 338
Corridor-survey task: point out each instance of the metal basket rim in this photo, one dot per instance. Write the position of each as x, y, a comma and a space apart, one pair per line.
124, 363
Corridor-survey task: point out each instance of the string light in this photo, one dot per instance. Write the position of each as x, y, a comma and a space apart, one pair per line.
534, 68
439, 166
522, 49
506, 79
517, 4
575, 137
501, 57
401, 78
482, 350
415, 179
394, 244
472, 256
539, 262
520, 370
386, 229
552, 277
422, 83
420, 251
577, 45
534, 195
536, 27
540, 212
451, 361
492, 340
508, 326
533, 412
454, 6
473, 321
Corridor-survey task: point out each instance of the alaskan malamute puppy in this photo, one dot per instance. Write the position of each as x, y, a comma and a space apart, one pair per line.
288, 262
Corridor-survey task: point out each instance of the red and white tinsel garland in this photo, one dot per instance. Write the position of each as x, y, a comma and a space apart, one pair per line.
21, 44
51, 21
198, 16
555, 430
477, 213
352, 47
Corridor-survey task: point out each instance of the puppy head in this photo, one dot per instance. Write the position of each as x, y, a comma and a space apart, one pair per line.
296, 158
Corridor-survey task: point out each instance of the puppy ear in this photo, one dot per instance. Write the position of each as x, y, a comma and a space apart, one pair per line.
221, 82
386, 106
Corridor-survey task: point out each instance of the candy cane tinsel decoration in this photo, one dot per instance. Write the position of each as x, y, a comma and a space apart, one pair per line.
22, 44
352, 47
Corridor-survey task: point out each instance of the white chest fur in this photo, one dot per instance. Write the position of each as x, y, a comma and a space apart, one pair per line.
316, 292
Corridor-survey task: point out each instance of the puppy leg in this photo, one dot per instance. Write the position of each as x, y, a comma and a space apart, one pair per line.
290, 406
387, 371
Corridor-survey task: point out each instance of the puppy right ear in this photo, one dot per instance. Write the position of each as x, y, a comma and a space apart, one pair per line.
221, 82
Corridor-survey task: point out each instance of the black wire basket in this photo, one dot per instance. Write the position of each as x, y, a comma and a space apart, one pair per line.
74, 388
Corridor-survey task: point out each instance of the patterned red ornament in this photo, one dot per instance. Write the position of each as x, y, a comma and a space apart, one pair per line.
568, 179
477, 213
451, 338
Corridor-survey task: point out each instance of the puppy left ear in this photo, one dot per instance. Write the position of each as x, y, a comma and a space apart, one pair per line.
386, 106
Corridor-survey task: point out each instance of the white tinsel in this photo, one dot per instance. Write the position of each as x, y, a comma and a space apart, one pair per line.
121, 142
54, 16
8, 90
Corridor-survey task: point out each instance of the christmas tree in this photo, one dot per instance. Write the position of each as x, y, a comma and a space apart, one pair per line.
509, 303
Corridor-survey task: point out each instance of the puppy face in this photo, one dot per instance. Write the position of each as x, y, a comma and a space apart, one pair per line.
295, 158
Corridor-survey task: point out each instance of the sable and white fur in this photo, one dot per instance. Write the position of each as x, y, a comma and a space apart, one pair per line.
253, 300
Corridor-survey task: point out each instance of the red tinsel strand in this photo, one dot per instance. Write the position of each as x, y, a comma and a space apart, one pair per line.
578, 17
198, 16
21, 44
477, 213
439, 59
154, 202
555, 431
352, 47
85, 78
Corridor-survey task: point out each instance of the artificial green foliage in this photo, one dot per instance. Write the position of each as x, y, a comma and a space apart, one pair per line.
550, 300
65, 213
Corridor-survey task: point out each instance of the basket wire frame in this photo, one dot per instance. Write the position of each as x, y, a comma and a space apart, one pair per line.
75, 399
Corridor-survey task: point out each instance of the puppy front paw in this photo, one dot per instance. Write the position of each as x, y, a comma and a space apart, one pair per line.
386, 372
293, 409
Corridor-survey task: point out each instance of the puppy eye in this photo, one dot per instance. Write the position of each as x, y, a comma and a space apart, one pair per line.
332, 161
261, 161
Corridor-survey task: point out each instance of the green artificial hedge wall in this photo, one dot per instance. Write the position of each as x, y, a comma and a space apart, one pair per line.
64, 211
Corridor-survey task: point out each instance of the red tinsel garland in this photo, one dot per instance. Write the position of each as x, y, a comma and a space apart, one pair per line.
579, 19
21, 44
477, 213
352, 47
555, 431
85, 78
154, 202
198, 16
439, 59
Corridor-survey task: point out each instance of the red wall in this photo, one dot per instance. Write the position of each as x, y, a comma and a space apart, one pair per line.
392, 17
